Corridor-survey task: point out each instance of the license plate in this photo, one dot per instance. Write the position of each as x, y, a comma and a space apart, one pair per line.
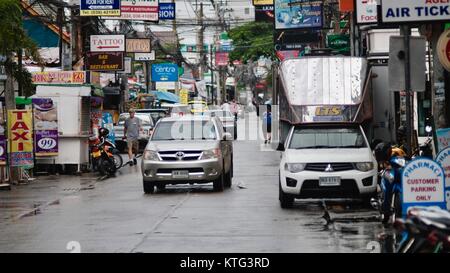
329, 181
180, 174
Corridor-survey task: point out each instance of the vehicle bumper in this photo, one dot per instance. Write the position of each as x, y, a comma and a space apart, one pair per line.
305, 184
200, 171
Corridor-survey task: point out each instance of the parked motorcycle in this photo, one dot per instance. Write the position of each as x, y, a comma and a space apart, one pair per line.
425, 230
390, 196
105, 156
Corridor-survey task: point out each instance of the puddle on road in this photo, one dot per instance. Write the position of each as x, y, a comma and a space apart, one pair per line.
350, 226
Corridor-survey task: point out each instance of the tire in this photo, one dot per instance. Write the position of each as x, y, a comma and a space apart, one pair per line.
149, 187
228, 180
286, 200
118, 160
218, 184
397, 206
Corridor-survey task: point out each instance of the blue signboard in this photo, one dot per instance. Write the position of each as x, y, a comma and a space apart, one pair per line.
291, 14
165, 72
100, 7
166, 11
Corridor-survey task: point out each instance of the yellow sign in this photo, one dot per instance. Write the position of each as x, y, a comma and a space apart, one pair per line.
262, 2
20, 138
329, 111
184, 96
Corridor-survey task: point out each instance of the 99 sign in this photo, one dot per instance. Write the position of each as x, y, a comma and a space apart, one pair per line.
47, 143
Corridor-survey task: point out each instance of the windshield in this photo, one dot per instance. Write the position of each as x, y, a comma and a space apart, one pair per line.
145, 118
323, 138
185, 130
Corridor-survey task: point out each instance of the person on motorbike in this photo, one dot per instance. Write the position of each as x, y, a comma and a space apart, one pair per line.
384, 154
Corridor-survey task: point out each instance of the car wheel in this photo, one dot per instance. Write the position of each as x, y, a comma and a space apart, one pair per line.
286, 200
149, 187
218, 184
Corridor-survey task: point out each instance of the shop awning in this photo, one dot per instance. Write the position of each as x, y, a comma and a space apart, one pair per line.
166, 96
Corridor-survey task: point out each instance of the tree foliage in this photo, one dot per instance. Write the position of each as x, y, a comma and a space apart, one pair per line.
251, 41
13, 39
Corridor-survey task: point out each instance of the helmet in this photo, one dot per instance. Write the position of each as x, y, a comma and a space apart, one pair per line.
383, 151
103, 132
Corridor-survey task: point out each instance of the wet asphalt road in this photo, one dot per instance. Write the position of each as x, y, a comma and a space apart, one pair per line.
115, 215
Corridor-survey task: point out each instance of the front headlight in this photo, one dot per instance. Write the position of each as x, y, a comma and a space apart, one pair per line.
211, 154
294, 167
151, 155
364, 166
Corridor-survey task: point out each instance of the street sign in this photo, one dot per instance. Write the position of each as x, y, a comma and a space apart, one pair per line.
262, 2
167, 72
406, 11
142, 10
99, 7
443, 49
366, 11
397, 63
297, 15
167, 11
423, 184
264, 13
139, 45
443, 158
20, 134
222, 58
143, 57
59, 77
108, 61
107, 43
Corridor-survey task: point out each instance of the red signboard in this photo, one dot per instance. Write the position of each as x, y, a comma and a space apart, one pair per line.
222, 58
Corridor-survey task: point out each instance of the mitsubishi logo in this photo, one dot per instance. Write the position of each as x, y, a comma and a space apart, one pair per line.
329, 169
179, 155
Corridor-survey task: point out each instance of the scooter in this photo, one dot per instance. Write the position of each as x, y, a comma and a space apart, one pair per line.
390, 197
105, 156
425, 230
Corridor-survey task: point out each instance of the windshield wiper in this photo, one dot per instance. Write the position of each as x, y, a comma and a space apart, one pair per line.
352, 146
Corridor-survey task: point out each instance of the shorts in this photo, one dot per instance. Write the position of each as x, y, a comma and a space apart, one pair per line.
134, 145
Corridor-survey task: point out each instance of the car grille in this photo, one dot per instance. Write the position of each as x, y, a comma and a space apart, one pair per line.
176, 155
336, 167
190, 170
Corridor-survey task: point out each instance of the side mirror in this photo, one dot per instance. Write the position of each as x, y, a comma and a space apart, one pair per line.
227, 136
281, 147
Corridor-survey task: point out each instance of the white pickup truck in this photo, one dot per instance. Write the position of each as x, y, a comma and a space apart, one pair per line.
323, 108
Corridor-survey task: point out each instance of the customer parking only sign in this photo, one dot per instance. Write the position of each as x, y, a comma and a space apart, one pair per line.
404, 11
423, 182
443, 158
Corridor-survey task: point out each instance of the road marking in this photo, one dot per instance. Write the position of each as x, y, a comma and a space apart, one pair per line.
167, 216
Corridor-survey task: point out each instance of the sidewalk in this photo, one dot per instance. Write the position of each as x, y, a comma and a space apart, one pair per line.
29, 199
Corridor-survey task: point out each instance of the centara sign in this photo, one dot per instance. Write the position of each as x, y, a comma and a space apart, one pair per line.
404, 11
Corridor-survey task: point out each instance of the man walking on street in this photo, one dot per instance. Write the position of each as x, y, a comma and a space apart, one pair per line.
131, 132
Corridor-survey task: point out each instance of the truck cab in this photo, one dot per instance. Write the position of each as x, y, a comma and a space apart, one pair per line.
324, 106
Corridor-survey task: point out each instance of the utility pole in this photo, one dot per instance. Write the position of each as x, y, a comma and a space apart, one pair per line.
406, 32
199, 46
178, 53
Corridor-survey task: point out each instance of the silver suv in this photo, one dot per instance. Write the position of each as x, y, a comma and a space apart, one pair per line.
190, 149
